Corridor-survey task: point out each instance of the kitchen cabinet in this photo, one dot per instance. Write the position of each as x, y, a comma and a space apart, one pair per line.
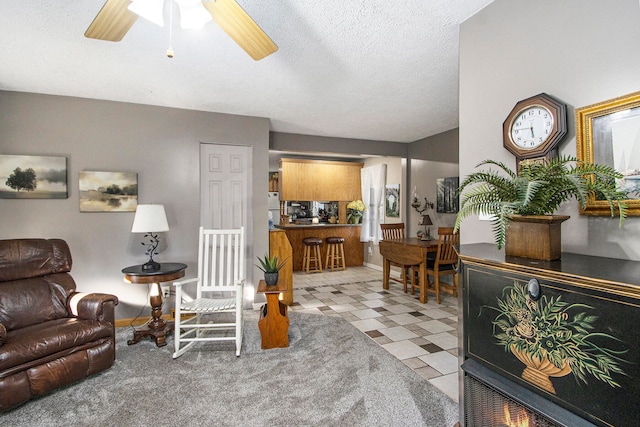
301, 179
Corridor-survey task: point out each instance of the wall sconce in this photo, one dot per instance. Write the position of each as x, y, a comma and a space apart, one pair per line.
416, 203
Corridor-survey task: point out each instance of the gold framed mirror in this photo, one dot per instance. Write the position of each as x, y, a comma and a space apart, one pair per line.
608, 133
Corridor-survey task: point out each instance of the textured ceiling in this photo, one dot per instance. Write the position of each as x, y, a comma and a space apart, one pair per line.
367, 69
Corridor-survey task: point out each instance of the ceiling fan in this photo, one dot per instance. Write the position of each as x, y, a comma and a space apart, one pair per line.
115, 19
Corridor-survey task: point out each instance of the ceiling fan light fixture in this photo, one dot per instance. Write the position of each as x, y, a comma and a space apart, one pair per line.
151, 10
193, 14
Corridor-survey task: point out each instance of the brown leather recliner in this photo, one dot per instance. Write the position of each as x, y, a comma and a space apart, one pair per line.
50, 335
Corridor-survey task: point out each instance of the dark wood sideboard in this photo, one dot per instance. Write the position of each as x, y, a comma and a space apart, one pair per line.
582, 310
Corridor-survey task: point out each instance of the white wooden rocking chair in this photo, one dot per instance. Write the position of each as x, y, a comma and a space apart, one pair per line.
219, 289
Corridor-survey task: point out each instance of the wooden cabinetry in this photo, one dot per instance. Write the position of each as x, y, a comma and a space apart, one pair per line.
353, 247
279, 246
319, 180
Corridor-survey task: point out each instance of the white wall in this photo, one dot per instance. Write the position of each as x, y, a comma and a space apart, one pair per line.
579, 51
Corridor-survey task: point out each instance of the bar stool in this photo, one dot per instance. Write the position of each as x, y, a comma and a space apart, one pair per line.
335, 253
312, 255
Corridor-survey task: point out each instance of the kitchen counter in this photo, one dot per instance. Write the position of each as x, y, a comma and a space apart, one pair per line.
321, 224
353, 247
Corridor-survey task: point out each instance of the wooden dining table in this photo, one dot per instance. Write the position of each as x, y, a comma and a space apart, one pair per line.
411, 251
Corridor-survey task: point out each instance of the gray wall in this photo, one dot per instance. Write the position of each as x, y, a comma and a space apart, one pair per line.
442, 147
429, 159
160, 144
344, 146
579, 51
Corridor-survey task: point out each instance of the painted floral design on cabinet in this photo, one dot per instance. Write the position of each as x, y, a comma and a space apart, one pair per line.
553, 338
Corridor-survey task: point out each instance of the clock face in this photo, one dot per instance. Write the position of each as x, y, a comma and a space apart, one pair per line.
534, 127
531, 127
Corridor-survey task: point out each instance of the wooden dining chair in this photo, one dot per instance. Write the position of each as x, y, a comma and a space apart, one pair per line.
445, 262
395, 232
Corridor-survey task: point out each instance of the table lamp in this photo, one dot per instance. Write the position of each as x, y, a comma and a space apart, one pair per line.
150, 219
426, 221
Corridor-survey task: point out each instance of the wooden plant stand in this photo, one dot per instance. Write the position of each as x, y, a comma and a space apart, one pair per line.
274, 324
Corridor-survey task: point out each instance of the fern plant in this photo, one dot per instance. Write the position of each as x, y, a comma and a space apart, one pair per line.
538, 189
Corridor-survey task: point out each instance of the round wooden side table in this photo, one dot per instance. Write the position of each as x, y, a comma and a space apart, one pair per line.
157, 327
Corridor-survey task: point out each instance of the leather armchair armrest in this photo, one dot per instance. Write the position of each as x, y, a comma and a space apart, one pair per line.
94, 306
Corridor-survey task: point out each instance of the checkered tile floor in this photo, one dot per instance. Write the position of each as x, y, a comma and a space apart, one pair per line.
423, 336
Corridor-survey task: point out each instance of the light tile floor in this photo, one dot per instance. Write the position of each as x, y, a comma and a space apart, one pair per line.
422, 336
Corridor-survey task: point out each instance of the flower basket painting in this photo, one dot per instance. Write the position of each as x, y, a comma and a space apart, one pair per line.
33, 177
553, 338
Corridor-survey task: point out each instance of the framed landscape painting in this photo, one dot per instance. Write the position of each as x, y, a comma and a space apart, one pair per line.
108, 191
448, 200
392, 200
33, 177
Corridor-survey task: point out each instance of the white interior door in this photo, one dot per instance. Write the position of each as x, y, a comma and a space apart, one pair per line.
226, 192
224, 184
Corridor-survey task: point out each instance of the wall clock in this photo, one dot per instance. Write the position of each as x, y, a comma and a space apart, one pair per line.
534, 127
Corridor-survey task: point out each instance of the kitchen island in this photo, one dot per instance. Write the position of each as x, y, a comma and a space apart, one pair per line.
353, 247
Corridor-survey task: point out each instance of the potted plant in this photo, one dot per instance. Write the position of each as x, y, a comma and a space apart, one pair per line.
355, 209
535, 193
270, 266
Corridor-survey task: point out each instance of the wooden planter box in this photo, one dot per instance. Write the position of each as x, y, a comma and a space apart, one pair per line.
535, 236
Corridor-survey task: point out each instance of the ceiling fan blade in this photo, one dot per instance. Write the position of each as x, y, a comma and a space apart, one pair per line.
112, 22
232, 18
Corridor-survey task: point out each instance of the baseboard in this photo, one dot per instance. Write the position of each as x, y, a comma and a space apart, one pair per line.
137, 321
392, 273
373, 266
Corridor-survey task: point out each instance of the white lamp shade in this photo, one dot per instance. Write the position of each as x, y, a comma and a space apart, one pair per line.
149, 218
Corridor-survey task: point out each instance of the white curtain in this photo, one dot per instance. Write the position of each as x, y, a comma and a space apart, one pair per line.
373, 180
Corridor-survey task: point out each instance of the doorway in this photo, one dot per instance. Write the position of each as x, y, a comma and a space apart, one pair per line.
226, 192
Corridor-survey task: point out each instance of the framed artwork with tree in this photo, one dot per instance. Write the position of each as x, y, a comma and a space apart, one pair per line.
33, 177
108, 191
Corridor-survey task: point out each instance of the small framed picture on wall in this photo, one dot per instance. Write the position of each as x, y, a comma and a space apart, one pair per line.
448, 201
392, 200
